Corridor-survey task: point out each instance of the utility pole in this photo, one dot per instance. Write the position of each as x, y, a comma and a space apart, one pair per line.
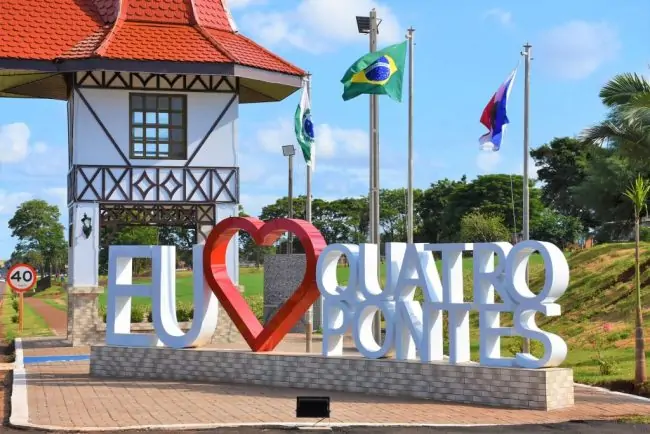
526, 207
409, 212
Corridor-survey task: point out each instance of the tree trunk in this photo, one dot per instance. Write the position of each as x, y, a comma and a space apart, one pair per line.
639, 359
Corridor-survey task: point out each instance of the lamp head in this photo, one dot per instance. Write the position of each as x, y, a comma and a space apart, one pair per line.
288, 150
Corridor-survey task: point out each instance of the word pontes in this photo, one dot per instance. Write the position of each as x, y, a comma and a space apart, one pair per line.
415, 330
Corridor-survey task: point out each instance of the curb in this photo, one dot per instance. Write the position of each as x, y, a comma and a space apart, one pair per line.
613, 392
259, 425
19, 405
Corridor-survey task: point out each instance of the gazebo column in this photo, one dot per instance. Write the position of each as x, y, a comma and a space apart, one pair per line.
83, 274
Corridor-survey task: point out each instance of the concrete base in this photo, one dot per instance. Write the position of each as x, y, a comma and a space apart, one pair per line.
539, 389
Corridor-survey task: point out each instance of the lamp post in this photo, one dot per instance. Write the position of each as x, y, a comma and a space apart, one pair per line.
289, 151
370, 26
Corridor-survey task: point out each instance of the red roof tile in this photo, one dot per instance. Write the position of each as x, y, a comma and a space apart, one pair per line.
145, 30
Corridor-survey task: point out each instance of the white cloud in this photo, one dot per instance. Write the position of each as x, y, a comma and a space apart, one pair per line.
487, 161
576, 49
330, 141
320, 25
14, 142
10, 201
60, 194
501, 16
40, 148
253, 203
46, 161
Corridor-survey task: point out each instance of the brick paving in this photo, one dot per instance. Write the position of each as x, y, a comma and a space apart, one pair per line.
63, 394
56, 320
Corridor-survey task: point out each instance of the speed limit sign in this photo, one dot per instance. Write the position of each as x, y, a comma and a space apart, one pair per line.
21, 278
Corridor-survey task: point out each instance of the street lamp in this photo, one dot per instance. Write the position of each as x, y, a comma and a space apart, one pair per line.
289, 151
369, 25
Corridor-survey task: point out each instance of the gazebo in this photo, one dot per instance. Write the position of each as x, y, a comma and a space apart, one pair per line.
152, 88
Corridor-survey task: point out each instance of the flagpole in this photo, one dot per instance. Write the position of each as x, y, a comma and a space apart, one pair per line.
374, 169
309, 323
409, 213
526, 206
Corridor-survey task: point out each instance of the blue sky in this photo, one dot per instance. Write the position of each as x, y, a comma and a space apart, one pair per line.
463, 52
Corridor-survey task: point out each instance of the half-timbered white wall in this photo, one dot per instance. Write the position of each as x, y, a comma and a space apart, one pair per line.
101, 174
92, 146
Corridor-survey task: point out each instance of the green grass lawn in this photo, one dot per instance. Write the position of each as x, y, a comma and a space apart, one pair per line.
253, 281
33, 324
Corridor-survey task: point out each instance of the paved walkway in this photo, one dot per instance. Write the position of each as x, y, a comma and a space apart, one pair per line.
56, 319
64, 395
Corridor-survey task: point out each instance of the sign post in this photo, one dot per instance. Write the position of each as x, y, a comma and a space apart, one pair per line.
21, 278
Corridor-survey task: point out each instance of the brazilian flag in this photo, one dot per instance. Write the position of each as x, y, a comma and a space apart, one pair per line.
381, 72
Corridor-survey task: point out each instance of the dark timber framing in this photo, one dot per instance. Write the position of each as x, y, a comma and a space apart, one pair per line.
151, 81
113, 216
160, 184
174, 106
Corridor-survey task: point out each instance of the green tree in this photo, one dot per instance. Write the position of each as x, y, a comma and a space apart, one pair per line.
482, 228
562, 165
432, 208
637, 193
36, 225
499, 195
393, 209
557, 228
116, 235
249, 251
181, 237
607, 174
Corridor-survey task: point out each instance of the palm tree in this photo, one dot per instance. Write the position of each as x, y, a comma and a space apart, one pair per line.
638, 195
627, 127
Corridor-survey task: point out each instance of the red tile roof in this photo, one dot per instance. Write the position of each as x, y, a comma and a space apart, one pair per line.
145, 30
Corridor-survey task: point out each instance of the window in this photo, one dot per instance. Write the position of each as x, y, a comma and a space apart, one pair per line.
158, 126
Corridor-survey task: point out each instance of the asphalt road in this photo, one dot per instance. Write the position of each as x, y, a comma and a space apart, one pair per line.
569, 427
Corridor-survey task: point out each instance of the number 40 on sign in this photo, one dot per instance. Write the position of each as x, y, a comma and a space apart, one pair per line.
21, 278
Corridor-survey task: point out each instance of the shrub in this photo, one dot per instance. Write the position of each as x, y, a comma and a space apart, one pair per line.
184, 312
138, 313
14, 305
256, 302
102, 313
14, 318
477, 227
606, 365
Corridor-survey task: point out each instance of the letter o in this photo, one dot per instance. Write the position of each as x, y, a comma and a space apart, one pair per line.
556, 276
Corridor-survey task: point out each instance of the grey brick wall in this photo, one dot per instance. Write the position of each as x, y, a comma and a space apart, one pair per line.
541, 389
282, 275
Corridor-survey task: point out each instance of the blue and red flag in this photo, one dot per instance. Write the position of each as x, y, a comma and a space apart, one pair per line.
495, 116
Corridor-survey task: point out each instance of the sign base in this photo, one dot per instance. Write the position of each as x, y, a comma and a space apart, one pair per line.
535, 389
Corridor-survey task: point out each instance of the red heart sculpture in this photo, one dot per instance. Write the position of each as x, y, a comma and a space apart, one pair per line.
258, 337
